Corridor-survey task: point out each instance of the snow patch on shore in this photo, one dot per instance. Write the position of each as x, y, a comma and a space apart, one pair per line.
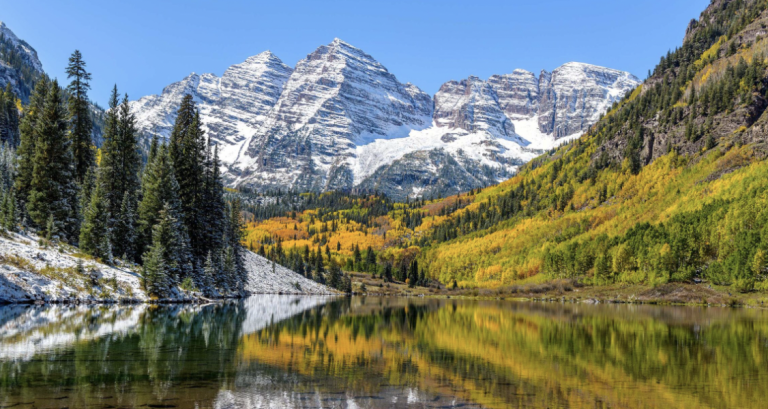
30, 272
261, 280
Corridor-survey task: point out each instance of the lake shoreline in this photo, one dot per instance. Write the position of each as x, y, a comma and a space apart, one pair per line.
573, 291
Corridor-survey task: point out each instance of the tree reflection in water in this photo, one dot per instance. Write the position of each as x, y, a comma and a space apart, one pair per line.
289, 351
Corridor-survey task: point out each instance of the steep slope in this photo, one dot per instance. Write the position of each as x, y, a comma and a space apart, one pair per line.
490, 128
337, 98
262, 280
19, 65
232, 107
669, 186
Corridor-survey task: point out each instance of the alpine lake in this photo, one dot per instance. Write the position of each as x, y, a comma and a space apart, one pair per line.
374, 352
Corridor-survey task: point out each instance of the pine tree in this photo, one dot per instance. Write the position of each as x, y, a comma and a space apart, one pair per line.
210, 270
10, 220
370, 258
27, 146
357, 256
155, 273
413, 275
9, 117
53, 191
229, 274
159, 188
124, 237
121, 164
233, 240
214, 228
95, 231
388, 273
87, 186
187, 154
167, 233
81, 123
334, 275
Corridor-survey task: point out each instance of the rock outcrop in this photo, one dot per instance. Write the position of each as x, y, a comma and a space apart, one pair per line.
19, 65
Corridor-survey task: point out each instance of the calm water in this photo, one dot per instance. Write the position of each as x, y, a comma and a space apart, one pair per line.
285, 351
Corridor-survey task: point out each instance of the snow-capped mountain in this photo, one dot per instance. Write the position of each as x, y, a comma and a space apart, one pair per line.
337, 99
233, 107
19, 64
341, 120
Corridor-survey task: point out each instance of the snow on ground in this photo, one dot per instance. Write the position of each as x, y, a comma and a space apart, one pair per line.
33, 273
528, 129
261, 280
30, 272
480, 146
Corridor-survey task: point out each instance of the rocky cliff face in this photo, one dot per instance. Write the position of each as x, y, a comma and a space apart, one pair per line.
232, 107
19, 65
341, 120
336, 99
564, 103
575, 95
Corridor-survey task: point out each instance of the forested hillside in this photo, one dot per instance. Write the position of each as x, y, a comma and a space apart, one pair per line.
168, 216
670, 185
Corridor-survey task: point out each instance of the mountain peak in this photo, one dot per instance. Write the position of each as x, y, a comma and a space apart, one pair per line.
264, 57
337, 41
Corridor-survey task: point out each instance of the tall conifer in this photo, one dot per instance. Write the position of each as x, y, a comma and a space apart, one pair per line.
28, 130
53, 192
81, 123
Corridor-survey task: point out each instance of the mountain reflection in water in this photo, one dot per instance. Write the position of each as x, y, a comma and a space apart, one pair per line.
291, 351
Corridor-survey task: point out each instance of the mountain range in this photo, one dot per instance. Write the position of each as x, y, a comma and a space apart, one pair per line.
340, 120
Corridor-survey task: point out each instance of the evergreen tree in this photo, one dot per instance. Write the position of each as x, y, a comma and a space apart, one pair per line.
124, 237
370, 259
158, 189
167, 233
213, 229
87, 186
413, 274
9, 117
209, 269
53, 191
10, 220
358, 258
27, 146
81, 123
187, 154
155, 272
388, 272
334, 275
95, 231
233, 240
121, 163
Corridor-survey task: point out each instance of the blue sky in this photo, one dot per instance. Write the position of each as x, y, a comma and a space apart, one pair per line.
145, 45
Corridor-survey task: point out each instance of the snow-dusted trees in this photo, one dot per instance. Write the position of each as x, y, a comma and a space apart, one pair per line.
95, 235
119, 169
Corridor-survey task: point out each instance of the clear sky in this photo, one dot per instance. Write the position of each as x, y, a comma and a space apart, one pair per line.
145, 45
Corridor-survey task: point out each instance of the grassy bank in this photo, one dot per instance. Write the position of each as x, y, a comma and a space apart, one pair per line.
574, 291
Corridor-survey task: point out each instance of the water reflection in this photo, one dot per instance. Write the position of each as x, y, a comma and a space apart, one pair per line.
288, 351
